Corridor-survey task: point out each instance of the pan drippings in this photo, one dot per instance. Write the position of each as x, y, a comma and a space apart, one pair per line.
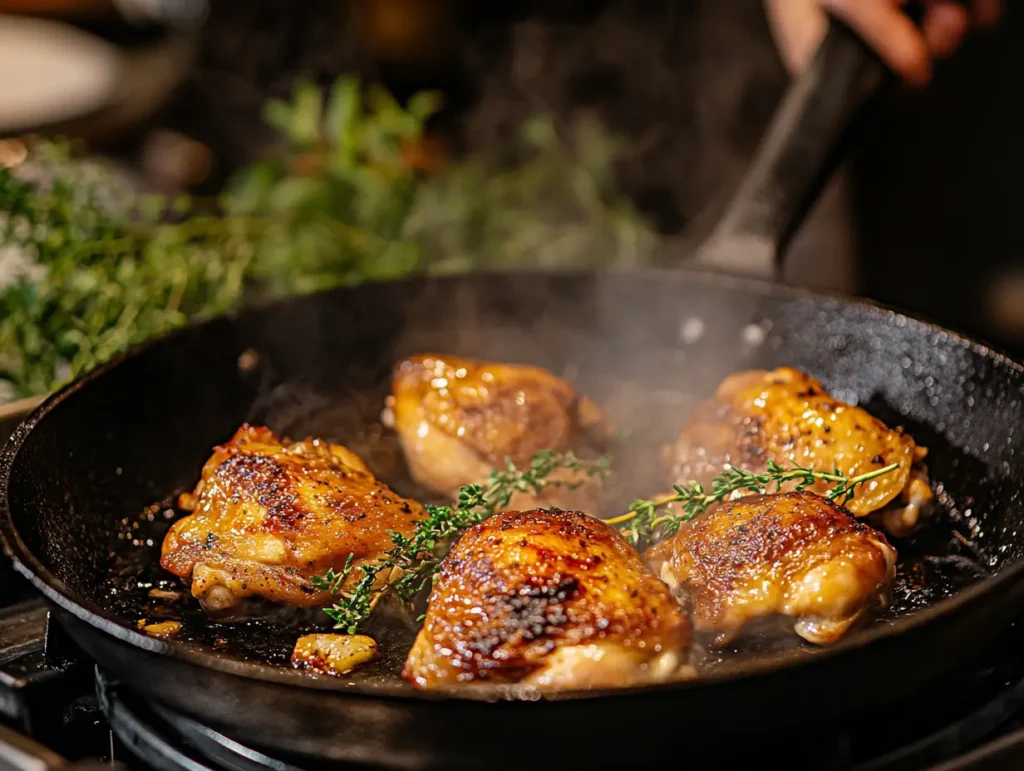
934, 564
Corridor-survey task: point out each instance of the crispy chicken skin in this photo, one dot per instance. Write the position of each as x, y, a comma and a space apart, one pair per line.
548, 598
794, 554
267, 515
460, 418
786, 416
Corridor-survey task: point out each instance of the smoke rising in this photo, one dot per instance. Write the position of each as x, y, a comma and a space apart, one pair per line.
689, 86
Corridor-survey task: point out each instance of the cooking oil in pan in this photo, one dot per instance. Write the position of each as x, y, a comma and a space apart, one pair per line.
933, 565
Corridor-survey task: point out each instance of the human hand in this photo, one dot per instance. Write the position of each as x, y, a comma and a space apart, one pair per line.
799, 26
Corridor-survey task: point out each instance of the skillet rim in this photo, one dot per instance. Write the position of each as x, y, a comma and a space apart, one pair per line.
93, 615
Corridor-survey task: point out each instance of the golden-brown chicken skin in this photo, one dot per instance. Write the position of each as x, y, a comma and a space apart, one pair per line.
267, 515
791, 554
788, 417
460, 418
550, 599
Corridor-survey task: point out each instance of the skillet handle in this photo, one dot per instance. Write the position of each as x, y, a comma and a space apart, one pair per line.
799, 151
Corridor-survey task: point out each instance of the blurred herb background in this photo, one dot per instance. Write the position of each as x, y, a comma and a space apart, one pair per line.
89, 267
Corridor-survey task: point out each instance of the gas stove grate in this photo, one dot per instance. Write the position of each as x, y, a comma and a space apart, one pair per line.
175, 744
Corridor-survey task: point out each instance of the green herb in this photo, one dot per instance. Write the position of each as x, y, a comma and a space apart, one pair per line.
332, 207
77, 286
560, 208
418, 556
648, 519
89, 268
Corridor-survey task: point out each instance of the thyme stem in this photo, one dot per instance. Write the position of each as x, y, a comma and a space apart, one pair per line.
647, 519
410, 565
417, 557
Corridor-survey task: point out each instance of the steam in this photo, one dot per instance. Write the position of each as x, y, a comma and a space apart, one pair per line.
688, 86
690, 99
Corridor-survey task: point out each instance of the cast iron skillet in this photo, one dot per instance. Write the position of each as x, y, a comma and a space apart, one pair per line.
79, 474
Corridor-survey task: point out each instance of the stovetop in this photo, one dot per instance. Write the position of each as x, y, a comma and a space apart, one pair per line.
57, 710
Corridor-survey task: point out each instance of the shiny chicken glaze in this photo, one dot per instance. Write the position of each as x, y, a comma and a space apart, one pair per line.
267, 515
460, 418
787, 416
792, 554
551, 599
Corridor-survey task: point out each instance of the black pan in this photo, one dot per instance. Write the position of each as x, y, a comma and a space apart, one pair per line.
81, 474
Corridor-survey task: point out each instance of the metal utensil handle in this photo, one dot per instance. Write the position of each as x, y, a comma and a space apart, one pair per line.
796, 156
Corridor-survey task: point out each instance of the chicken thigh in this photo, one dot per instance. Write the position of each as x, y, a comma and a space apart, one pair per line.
268, 515
786, 416
551, 599
460, 418
793, 554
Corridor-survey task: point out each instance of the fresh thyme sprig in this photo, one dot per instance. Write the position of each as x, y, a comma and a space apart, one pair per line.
646, 518
409, 566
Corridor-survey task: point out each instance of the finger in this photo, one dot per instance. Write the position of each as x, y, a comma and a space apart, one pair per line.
891, 33
986, 13
945, 25
798, 27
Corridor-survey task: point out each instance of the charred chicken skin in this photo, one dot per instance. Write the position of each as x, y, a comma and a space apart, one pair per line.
787, 417
267, 515
792, 554
551, 599
460, 418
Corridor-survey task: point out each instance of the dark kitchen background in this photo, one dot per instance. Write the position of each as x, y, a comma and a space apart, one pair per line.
689, 86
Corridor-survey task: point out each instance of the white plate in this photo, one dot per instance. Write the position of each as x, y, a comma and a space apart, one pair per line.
52, 72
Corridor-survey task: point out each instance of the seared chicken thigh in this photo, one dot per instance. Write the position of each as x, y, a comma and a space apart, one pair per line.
794, 554
786, 416
268, 515
460, 418
552, 599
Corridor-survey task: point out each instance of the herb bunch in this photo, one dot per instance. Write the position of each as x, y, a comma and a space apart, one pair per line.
355, 191
410, 565
560, 208
649, 519
88, 267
